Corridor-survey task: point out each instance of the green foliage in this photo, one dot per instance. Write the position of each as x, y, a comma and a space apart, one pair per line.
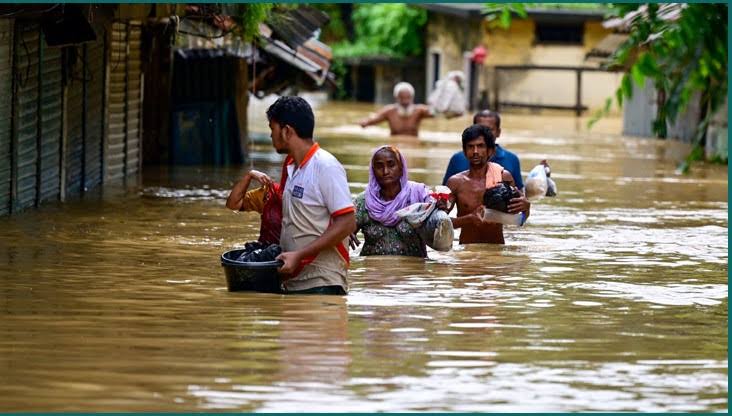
249, 17
604, 111
386, 29
339, 70
681, 57
500, 14
335, 30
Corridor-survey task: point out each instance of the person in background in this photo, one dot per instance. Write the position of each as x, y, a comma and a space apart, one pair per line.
404, 116
265, 200
503, 157
317, 211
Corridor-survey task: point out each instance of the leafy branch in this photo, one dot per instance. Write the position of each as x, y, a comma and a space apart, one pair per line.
685, 57
385, 29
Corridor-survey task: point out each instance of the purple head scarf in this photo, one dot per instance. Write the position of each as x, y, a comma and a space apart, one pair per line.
384, 211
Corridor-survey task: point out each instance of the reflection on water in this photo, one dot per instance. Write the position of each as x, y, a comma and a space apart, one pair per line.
612, 298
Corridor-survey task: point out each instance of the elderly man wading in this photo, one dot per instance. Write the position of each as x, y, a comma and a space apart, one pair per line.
403, 116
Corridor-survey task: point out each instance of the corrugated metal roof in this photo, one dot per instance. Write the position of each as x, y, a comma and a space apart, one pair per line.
287, 37
296, 26
195, 37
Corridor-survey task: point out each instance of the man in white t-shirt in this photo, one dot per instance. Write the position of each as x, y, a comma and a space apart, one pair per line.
317, 211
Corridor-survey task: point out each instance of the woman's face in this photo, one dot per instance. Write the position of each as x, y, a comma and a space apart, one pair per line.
387, 168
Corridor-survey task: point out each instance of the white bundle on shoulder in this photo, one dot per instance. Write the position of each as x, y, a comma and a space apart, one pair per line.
447, 97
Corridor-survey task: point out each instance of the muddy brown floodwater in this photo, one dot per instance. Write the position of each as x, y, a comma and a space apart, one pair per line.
612, 298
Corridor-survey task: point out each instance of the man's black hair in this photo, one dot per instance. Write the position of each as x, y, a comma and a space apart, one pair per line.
294, 112
477, 130
488, 114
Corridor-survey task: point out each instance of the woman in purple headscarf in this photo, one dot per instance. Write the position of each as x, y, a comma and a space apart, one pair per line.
389, 191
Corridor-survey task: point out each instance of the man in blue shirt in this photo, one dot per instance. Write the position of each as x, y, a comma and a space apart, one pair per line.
503, 157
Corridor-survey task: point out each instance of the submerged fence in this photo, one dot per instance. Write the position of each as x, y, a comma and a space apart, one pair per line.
502, 70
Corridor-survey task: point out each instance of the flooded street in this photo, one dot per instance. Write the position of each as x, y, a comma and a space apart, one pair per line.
612, 298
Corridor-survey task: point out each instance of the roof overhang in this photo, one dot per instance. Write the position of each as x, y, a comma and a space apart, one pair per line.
286, 45
560, 16
462, 10
479, 10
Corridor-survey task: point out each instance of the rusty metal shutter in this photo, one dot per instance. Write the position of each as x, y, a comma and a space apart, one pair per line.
25, 129
74, 153
51, 118
115, 146
134, 98
94, 126
6, 108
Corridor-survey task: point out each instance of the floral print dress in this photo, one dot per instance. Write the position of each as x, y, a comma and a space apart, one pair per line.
381, 240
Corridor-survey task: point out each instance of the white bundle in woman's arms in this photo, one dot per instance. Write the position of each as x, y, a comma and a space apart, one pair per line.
433, 225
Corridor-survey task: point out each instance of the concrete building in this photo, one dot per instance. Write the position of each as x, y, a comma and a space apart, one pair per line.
516, 56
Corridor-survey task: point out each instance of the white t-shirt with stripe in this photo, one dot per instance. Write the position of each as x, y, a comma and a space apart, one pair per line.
314, 193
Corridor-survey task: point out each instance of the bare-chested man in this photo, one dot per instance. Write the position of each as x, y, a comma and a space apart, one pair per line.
468, 187
403, 116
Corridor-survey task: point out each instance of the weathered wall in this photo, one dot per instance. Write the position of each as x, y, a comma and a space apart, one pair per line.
717, 146
641, 109
594, 33
513, 46
451, 37
516, 46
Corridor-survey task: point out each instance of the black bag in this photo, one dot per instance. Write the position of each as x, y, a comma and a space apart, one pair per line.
499, 196
260, 252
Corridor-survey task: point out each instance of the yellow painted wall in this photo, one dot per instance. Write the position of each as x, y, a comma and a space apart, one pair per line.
509, 47
594, 33
451, 36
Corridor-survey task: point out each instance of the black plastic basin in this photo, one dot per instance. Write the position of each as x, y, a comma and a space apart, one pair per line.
250, 276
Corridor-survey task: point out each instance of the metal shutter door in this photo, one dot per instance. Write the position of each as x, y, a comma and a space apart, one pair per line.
75, 131
25, 135
51, 116
94, 59
115, 146
134, 98
6, 108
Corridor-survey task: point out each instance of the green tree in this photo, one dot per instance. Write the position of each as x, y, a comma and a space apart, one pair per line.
682, 56
250, 16
386, 29
356, 30
500, 14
